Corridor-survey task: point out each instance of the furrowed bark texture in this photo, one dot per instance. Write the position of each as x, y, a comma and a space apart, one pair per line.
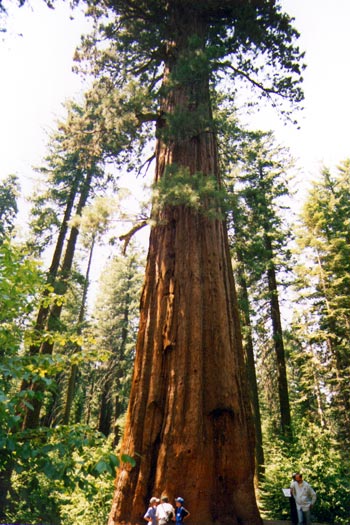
187, 419
188, 424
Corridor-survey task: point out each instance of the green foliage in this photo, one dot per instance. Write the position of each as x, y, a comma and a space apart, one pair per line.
90, 504
35, 500
66, 476
324, 288
183, 124
72, 167
9, 191
200, 192
49, 465
20, 280
236, 38
114, 330
82, 507
259, 187
20, 284
314, 454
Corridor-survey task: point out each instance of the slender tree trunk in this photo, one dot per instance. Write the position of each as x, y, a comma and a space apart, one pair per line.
106, 403
52, 273
110, 409
285, 417
74, 368
57, 255
189, 425
31, 415
89, 398
318, 392
251, 372
6, 463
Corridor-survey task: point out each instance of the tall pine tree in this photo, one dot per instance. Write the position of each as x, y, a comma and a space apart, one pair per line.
260, 244
326, 234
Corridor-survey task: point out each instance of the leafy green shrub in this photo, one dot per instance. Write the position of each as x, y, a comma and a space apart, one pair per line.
66, 481
317, 457
32, 499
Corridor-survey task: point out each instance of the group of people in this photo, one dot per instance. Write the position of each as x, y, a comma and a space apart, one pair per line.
161, 511
303, 498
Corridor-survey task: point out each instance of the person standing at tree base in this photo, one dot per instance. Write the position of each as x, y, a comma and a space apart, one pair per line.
180, 512
305, 498
165, 511
151, 514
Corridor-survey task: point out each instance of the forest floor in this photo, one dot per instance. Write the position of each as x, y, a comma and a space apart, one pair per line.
276, 522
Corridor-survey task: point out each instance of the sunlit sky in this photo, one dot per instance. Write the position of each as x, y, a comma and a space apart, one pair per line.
36, 78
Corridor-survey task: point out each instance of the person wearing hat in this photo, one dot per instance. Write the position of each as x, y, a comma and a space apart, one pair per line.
165, 511
180, 512
151, 514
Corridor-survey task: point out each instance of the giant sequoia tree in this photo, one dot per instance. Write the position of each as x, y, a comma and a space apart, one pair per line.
189, 422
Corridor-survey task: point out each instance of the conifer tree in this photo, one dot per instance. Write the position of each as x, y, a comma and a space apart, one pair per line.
189, 409
48, 319
326, 236
9, 189
76, 170
92, 223
230, 136
260, 242
114, 329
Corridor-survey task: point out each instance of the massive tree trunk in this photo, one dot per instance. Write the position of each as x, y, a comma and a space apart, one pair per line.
189, 423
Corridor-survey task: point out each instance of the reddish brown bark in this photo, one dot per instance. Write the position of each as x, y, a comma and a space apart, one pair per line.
188, 424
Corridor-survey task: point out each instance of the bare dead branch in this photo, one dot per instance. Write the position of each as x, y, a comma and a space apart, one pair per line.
147, 162
126, 237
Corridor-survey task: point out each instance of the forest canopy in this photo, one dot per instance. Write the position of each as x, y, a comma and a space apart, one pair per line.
185, 358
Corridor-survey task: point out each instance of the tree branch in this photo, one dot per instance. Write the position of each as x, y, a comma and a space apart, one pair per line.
128, 236
148, 162
146, 117
268, 91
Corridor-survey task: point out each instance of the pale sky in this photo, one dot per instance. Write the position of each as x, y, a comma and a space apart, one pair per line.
325, 37
36, 78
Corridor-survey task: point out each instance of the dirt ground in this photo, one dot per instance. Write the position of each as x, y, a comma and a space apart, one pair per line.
267, 522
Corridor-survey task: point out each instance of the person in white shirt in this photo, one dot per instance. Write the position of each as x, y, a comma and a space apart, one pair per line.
305, 498
165, 512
